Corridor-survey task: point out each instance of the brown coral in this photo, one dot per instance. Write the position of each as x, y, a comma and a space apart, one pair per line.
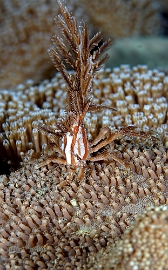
144, 244
140, 96
46, 224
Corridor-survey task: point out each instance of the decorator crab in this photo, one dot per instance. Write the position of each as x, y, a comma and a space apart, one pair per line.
85, 57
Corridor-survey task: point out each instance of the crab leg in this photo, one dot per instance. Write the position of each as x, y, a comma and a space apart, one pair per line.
108, 156
49, 160
103, 132
106, 141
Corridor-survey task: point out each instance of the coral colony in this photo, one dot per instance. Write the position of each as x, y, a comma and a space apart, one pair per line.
48, 220
85, 58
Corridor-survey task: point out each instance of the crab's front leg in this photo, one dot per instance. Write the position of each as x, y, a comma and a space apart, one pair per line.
130, 131
105, 132
71, 173
50, 159
95, 145
109, 156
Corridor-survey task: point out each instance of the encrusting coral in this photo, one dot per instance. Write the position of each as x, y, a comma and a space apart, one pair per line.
144, 244
139, 95
47, 223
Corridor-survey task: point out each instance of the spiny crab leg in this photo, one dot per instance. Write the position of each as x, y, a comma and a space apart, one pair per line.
49, 160
105, 131
105, 142
52, 137
71, 173
58, 149
124, 131
108, 156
